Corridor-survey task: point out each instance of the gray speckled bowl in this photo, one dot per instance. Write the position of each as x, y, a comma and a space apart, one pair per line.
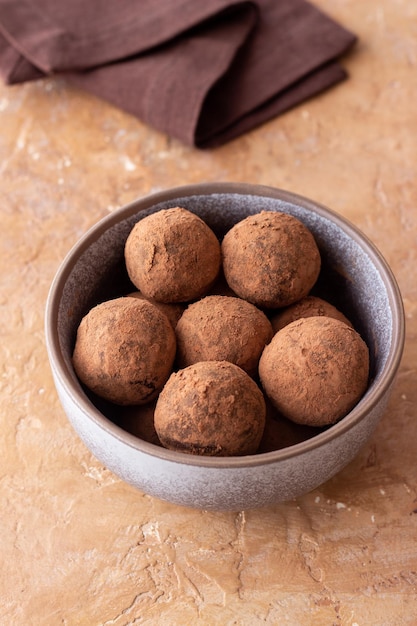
354, 277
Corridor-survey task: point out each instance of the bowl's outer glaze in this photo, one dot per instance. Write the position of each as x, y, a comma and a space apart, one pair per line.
355, 277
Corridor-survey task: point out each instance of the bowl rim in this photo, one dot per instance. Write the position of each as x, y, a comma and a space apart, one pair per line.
367, 403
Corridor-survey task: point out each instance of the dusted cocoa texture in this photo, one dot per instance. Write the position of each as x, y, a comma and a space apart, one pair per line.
211, 408
172, 256
223, 328
315, 370
310, 306
172, 311
124, 350
270, 259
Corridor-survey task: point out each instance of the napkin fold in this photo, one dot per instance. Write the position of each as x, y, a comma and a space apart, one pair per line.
203, 72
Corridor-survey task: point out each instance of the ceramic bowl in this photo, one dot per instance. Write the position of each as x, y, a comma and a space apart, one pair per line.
354, 277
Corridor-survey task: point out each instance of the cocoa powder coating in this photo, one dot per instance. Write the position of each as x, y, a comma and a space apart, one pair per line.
315, 370
172, 256
222, 328
124, 350
270, 259
310, 306
211, 408
172, 311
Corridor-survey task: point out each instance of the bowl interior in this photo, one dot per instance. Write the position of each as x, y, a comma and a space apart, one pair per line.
354, 276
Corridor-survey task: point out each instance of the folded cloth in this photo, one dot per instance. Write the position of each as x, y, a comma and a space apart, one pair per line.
203, 72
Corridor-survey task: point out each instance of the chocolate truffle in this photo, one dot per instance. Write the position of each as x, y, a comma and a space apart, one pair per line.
223, 328
315, 370
172, 311
210, 408
270, 259
310, 306
172, 256
124, 350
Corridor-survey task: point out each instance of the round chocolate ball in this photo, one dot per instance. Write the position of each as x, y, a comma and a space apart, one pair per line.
310, 306
222, 328
211, 408
172, 256
315, 370
124, 350
270, 259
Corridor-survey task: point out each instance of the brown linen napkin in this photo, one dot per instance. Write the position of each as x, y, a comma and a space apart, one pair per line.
204, 72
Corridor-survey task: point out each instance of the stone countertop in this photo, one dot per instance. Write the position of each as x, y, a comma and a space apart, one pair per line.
80, 547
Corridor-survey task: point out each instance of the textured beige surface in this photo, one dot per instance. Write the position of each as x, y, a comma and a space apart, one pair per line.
78, 546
